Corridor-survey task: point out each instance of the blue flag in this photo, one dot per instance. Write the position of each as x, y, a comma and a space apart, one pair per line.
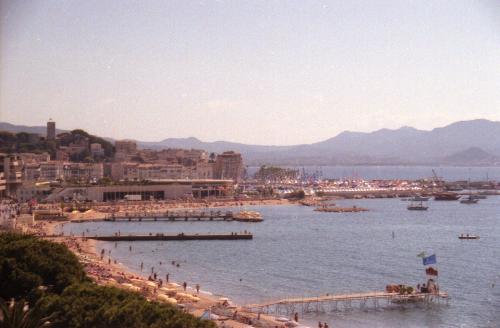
429, 259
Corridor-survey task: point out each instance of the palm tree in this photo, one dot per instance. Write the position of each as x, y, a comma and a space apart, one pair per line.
18, 315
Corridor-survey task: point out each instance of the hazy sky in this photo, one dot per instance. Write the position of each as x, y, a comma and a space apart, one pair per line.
264, 72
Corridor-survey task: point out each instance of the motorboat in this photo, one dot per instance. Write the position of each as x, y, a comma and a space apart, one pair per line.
469, 200
446, 196
468, 236
419, 198
417, 207
248, 216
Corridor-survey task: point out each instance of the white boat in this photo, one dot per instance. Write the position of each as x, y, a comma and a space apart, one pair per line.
417, 207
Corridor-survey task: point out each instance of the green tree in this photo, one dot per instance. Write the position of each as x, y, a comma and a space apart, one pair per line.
27, 263
90, 305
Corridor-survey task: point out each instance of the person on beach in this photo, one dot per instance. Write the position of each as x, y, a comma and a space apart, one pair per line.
142, 265
184, 285
167, 276
296, 317
197, 288
320, 325
154, 276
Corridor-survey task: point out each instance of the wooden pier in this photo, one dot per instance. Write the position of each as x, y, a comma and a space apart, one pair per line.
173, 216
325, 303
177, 237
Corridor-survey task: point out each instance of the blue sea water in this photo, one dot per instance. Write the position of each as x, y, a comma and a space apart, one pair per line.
299, 252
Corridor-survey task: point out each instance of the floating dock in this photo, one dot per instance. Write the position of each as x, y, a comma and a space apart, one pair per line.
327, 302
178, 237
334, 209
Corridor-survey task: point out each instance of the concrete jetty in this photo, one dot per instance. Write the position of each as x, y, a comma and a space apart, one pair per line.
177, 237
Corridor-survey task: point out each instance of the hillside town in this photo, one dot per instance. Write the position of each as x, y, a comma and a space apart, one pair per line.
76, 166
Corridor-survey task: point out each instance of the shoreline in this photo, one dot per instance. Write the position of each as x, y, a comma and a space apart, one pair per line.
107, 271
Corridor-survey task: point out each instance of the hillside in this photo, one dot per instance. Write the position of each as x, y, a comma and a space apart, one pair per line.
405, 145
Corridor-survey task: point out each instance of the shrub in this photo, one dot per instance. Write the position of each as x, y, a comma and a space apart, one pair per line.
27, 262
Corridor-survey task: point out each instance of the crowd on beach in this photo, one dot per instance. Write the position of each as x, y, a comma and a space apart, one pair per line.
105, 270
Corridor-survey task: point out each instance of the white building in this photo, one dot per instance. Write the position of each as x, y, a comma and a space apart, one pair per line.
96, 150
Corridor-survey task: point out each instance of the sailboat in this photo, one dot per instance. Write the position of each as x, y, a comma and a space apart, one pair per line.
470, 199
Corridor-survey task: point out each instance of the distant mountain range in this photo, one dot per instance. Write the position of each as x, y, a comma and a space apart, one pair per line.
475, 142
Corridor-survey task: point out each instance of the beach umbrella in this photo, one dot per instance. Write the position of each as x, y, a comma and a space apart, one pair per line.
168, 291
282, 319
172, 284
167, 299
151, 284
